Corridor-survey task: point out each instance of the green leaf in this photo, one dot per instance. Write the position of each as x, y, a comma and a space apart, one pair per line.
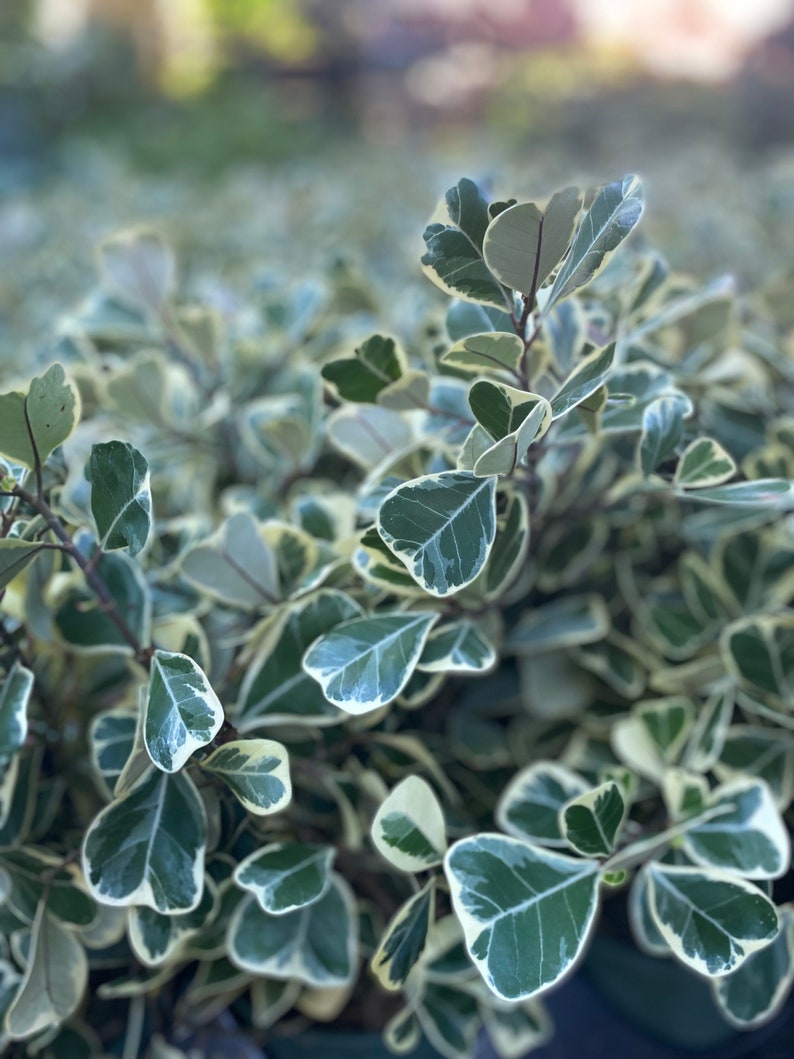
121, 497
366, 662
766, 753
662, 430
530, 806
759, 653
748, 838
500, 409
55, 979
38, 876
614, 212
494, 351
156, 938
408, 829
704, 463
450, 1019
275, 688
455, 265
14, 698
509, 550
515, 1030
564, 622
588, 376
256, 771
755, 992
707, 738
442, 526
235, 565
775, 493
182, 713
35, 423
15, 555
368, 434
378, 363
526, 912
524, 244
316, 944
468, 209
139, 269
711, 920
147, 847
458, 647
84, 624
590, 822
404, 939
285, 876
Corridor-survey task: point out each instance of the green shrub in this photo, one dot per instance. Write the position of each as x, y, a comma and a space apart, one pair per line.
289, 628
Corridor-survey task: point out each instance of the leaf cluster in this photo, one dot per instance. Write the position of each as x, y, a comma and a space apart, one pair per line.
332, 669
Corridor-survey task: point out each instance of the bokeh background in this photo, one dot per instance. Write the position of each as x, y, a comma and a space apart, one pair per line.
272, 139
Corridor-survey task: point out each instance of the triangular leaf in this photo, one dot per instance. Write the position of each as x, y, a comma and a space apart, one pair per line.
711, 920
256, 771
530, 806
442, 527
285, 876
749, 837
526, 912
182, 713
366, 662
121, 498
316, 944
704, 463
591, 822
147, 847
605, 224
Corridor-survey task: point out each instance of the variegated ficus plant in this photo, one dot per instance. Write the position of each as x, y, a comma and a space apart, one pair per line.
347, 681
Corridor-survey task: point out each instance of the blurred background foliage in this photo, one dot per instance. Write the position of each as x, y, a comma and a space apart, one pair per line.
276, 136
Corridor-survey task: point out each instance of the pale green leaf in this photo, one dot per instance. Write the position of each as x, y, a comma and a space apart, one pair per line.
139, 268
256, 771
704, 463
605, 224
442, 526
147, 847
526, 912
15, 555
55, 979
366, 662
503, 457
182, 713
156, 938
408, 829
35, 423
121, 497
285, 876
493, 351
774, 493
235, 565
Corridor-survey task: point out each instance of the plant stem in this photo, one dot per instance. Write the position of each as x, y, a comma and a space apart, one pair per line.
92, 577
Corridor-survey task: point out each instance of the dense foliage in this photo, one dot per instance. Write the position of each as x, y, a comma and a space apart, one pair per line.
344, 681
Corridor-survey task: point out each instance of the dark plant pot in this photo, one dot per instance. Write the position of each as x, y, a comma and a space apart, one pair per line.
330, 1044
